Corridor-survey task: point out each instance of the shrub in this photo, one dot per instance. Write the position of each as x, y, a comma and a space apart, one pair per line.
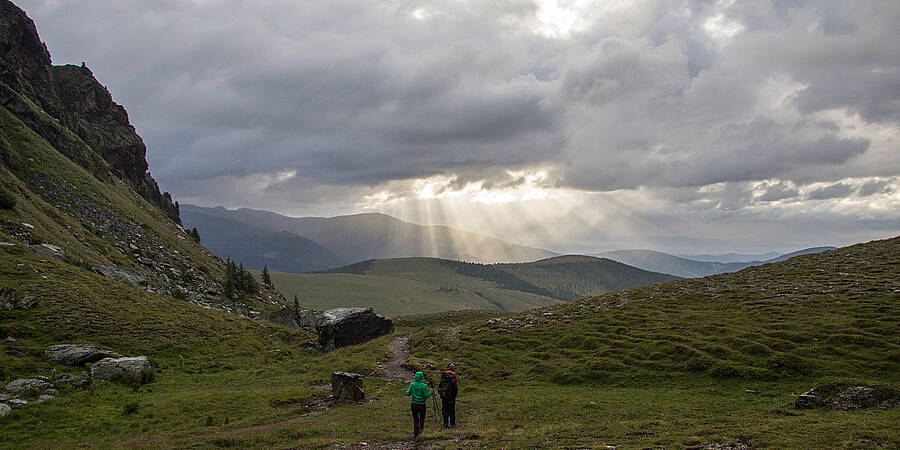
148, 375
130, 407
7, 200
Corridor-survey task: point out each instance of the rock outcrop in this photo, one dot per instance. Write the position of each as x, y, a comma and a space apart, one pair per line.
132, 369
4, 409
23, 385
123, 274
347, 387
348, 326
9, 302
77, 354
856, 397
73, 97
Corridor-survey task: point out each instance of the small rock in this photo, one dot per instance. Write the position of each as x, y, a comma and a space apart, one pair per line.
8, 301
592, 404
347, 387
28, 225
10, 339
17, 402
7, 244
750, 391
4, 409
807, 400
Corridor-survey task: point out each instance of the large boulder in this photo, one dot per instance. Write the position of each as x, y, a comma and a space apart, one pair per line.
347, 387
77, 354
348, 326
133, 369
123, 274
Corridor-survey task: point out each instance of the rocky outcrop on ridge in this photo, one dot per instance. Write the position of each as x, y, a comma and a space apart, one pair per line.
73, 97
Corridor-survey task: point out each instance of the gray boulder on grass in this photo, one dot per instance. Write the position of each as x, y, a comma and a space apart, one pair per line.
347, 387
25, 384
4, 409
132, 369
77, 354
348, 326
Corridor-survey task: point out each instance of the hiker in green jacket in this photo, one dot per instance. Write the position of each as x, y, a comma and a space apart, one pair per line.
418, 392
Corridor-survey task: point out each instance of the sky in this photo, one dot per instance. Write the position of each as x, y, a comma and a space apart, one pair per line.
572, 125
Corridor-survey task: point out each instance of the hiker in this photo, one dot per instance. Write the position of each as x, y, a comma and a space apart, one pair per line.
418, 392
448, 389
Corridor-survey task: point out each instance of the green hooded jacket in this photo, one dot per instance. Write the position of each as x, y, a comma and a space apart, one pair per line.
418, 390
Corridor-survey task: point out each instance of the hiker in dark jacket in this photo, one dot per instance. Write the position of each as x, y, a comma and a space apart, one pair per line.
448, 389
418, 393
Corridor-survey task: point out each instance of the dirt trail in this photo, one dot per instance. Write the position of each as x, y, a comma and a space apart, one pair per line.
393, 369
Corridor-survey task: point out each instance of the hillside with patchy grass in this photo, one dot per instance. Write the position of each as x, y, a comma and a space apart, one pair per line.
405, 286
702, 363
425, 285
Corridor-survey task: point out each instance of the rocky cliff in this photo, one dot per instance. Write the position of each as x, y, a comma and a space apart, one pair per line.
69, 108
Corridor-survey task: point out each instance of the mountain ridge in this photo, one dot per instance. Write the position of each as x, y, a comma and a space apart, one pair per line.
364, 236
656, 261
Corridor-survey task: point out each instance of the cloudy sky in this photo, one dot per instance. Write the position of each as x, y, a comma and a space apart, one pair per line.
683, 126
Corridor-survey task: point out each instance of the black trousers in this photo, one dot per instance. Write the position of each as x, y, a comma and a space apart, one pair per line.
418, 413
448, 409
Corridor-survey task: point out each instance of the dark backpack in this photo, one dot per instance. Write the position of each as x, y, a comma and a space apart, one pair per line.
445, 388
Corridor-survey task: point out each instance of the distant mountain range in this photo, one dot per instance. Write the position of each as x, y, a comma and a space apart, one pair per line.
256, 248
689, 268
344, 239
731, 257
308, 244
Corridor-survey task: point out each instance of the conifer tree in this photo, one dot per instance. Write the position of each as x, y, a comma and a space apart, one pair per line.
229, 279
195, 235
296, 306
265, 276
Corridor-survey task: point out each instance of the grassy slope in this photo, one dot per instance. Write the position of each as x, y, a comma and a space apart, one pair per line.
34, 156
404, 286
424, 285
527, 379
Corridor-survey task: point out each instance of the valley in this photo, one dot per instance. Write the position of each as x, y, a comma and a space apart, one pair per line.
185, 348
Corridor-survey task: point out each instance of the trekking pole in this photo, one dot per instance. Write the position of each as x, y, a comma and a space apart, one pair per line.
433, 402
434, 406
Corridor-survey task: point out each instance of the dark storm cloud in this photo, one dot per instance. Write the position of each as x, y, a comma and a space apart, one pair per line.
349, 95
836, 190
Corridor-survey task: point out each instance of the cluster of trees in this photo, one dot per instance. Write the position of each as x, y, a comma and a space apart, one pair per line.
239, 282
